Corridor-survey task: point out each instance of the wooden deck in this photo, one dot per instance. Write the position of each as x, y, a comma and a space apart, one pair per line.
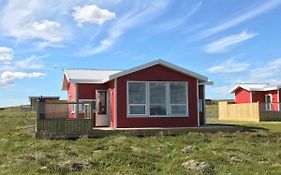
101, 132
106, 131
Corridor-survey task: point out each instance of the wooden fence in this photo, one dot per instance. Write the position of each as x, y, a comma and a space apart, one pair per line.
53, 120
239, 112
247, 112
270, 116
63, 127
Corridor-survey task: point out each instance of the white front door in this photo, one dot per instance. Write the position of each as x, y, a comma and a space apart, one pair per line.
268, 102
102, 118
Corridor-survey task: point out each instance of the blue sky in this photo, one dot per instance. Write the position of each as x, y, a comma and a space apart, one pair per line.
228, 41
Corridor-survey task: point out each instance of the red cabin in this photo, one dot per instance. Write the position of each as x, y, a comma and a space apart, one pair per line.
156, 94
265, 93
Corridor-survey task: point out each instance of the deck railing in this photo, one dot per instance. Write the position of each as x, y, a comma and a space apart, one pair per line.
265, 107
64, 119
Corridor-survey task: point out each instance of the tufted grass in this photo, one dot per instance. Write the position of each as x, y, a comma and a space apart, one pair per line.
255, 152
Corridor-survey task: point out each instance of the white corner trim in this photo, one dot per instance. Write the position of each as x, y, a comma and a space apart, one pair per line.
278, 98
115, 103
76, 86
251, 96
204, 104
197, 101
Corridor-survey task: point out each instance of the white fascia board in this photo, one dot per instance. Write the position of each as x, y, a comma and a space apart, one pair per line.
207, 83
161, 62
97, 81
239, 86
66, 74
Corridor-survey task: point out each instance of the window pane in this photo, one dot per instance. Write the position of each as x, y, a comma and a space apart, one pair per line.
178, 109
178, 93
157, 109
157, 93
137, 93
137, 109
81, 108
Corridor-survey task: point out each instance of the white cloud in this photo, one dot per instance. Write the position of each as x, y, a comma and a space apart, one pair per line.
223, 44
33, 62
137, 16
25, 20
30, 63
229, 66
7, 77
91, 14
249, 14
6, 55
269, 72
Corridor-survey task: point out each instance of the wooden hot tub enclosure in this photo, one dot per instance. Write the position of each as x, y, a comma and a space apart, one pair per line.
255, 112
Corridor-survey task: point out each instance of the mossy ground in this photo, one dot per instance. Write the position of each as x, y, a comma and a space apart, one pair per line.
257, 152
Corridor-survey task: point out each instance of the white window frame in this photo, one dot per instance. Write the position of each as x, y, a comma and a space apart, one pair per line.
148, 90
268, 103
169, 99
147, 96
146, 99
85, 100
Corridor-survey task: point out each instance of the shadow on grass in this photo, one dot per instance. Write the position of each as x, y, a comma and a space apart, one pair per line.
242, 128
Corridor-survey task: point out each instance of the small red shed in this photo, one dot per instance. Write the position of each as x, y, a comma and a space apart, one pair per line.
155, 94
265, 93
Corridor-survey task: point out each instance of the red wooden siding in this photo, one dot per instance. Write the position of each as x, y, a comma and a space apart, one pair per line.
258, 96
155, 73
88, 91
242, 96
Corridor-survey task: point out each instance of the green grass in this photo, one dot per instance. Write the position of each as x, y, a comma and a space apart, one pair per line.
226, 153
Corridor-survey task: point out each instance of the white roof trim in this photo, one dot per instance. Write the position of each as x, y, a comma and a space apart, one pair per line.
266, 87
207, 83
161, 62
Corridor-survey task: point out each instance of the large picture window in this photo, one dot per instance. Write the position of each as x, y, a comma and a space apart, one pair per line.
163, 99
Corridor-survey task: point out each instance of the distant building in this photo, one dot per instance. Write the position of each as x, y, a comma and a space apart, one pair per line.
35, 99
265, 93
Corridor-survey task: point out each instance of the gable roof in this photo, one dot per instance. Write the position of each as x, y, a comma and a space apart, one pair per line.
163, 63
256, 87
88, 75
98, 76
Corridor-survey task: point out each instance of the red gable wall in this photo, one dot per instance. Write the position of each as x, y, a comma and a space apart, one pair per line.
156, 73
242, 96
